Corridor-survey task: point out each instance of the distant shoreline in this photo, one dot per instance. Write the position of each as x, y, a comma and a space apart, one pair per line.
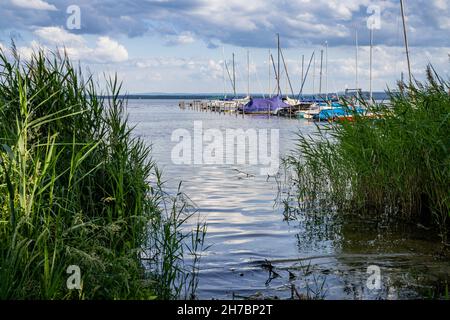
377, 96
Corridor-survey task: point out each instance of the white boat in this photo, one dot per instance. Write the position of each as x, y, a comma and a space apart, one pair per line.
314, 110
233, 105
292, 102
242, 102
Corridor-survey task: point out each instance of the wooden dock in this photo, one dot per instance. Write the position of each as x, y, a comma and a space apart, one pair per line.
229, 107
210, 106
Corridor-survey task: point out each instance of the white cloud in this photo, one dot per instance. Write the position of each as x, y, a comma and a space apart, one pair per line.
444, 22
106, 50
344, 9
109, 50
234, 14
267, 15
25, 52
180, 39
58, 35
167, 62
34, 4
441, 4
388, 65
207, 68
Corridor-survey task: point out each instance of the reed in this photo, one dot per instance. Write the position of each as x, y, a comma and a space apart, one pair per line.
77, 188
394, 165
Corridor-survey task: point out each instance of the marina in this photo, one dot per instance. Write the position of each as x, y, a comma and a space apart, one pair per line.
318, 110
321, 106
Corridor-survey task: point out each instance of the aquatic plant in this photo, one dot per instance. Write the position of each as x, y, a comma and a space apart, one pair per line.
394, 164
78, 188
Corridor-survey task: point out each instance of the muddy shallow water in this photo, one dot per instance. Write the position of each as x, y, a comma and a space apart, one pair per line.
255, 253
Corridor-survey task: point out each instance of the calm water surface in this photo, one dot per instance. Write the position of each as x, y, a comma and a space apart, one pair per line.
245, 227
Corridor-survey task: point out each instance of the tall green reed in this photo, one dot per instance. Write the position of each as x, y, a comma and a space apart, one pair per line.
392, 165
75, 189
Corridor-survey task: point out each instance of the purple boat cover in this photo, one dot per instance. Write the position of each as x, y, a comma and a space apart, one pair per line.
264, 105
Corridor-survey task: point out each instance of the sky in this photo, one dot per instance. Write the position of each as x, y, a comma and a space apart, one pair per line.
179, 46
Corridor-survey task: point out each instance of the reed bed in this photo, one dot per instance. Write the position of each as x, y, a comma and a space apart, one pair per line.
77, 188
394, 165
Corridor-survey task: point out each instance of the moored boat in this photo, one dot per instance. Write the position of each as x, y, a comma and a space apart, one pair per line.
340, 113
316, 108
264, 106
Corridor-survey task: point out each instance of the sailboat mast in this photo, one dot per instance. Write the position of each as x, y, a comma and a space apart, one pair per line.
223, 73
270, 67
314, 77
278, 77
288, 79
406, 41
321, 72
248, 73
357, 62
234, 78
303, 67
313, 55
326, 69
371, 63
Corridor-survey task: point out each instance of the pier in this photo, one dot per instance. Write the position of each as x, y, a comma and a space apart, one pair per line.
218, 106
238, 107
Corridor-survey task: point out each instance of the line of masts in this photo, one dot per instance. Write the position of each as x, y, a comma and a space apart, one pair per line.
280, 58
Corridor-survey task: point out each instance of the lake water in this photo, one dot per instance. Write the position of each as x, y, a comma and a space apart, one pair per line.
246, 227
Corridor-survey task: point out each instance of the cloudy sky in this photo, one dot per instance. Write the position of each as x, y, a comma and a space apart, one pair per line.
180, 45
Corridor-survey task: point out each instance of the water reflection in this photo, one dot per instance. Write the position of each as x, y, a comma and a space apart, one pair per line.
411, 264
255, 253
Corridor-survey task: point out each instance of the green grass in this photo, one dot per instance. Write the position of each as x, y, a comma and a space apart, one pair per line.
77, 188
394, 167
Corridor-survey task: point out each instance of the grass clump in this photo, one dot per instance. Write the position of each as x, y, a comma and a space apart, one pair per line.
77, 188
394, 165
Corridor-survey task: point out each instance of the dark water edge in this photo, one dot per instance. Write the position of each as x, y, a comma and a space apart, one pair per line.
255, 253
412, 264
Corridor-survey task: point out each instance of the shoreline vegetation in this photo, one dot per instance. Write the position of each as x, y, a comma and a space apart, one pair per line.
393, 166
77, 188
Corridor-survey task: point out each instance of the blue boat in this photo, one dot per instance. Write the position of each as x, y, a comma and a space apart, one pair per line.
335, 113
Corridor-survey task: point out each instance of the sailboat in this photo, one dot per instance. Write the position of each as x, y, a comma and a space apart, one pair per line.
273, 105
292, 102
332, 111
241, 102
316, 106
230, 105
